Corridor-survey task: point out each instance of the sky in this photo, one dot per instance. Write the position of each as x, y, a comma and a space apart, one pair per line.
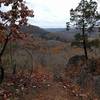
51, 13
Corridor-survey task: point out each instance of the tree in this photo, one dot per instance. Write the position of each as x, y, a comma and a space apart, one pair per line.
10, 23
84, 16
78, 40
67, 26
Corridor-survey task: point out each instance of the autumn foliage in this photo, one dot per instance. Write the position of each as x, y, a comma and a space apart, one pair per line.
10, 23
14, 17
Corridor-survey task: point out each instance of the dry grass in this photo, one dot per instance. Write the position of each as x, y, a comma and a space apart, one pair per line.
50, 59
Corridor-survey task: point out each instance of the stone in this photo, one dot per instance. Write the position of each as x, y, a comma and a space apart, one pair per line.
97, 85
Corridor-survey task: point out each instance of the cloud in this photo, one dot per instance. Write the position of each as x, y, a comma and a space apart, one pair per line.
51, 13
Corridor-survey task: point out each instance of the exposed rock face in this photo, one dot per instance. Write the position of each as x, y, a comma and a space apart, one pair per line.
74, 65
87, 75
74, 69
75, 60
78, 62
97, 85
91, 65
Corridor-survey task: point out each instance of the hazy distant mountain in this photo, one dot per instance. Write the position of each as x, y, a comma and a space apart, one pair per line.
59, 34
55, 29
35, 30
64, 35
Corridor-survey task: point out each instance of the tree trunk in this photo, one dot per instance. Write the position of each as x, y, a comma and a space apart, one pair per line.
1, 72
84, 42
1, 53
83, 34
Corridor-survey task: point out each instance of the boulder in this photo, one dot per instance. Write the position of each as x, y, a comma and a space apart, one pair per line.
97, 85
76, 60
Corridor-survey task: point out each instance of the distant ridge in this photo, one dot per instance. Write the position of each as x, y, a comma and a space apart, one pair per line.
35, 30
57, 34
55, 29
